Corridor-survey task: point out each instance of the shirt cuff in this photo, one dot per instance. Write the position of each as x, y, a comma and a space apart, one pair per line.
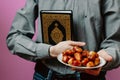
42, 50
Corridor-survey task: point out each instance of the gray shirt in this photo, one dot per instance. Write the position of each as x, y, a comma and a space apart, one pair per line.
95, 22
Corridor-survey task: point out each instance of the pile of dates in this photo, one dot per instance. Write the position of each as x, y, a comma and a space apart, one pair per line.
79, 57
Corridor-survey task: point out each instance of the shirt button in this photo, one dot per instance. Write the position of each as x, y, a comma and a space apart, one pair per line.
85, 16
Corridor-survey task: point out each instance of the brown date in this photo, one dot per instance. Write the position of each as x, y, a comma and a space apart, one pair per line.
68, 52
85, 53
90, 64
77, 56
76, 63
70, 61
85, 61
65, 58
77, 49
97, 61
92, 55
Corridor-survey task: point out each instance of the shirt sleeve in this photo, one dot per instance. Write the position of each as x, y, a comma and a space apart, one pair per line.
19, 39
111, 44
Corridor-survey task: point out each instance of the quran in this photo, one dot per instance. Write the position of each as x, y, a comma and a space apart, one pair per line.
56, 26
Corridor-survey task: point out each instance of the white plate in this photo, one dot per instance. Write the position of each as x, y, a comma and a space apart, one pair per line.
102, 63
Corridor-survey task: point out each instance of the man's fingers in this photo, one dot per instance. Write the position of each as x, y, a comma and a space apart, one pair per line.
94, 72
73, 43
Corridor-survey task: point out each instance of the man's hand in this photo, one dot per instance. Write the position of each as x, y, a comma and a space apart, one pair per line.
94, 72
105, 55
62, 46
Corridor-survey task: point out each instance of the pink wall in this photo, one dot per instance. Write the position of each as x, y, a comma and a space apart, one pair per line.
13, 67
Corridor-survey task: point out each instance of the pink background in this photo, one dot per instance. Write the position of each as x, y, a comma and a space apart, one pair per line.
13, 67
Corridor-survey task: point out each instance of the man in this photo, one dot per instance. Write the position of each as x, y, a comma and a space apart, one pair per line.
96, 27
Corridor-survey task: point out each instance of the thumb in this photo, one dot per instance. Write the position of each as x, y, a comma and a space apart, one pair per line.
105, 55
